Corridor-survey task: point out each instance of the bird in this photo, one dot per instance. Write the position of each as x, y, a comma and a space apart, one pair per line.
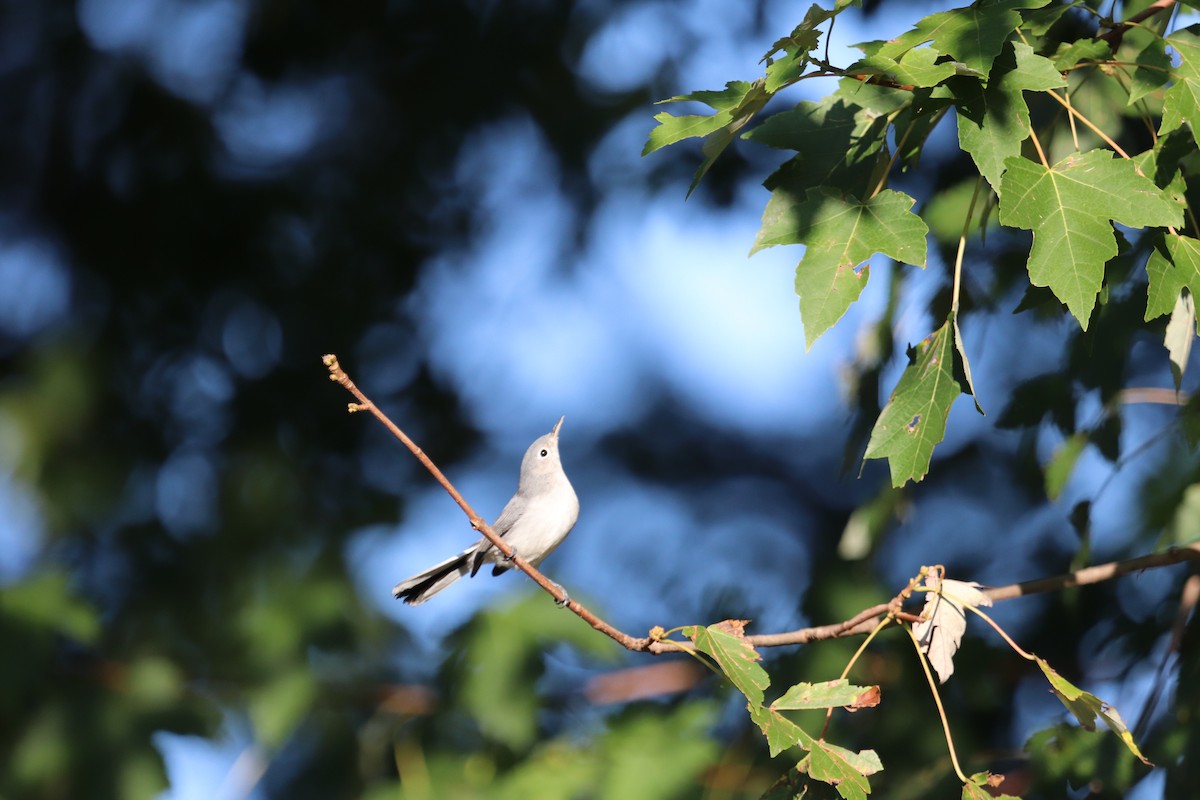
534, 522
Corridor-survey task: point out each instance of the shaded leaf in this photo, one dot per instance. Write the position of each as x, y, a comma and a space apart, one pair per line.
993, 119
964, 364
840, 235
914, 420
1063, 462
837, 143
1086, 707
1173, 265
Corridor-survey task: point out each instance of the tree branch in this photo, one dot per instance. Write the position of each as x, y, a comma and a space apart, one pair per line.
862, 622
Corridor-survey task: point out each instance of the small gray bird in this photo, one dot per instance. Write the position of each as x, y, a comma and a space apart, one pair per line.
535, 521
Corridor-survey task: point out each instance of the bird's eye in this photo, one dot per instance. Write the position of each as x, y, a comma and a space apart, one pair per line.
545, 452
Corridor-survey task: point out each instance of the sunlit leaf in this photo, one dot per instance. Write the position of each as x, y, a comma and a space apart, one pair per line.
1181, 103
780, 731
940, 632
725, 642
735, 106
1070, 208
982, 786
830, 694
845, 769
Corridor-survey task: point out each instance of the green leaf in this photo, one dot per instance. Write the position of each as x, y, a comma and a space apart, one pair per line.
780, 731
1068, 55
980, 787
1148, 51
840, 235
1086, 707
830, 694
735, 106
736, 657
1069, 207
277, 708
914, 420
846, 770
1062, 463
44, 601
973, 35
672, 129
1170, 272
1182, 101
917, 67
796, 46
837, 142
961, 353
993, 120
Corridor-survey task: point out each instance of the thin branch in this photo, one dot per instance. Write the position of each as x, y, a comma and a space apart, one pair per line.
863, 622
557, 592
1114, 36
1097, 574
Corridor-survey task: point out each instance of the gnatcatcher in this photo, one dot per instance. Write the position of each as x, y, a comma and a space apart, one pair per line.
535, 521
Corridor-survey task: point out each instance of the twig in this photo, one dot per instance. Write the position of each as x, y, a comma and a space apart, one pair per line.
1096, 574
1114, 36
557, 592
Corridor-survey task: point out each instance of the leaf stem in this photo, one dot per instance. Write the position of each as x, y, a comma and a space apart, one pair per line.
1075, 114
937, 700
962, 247
995, 626
1038, 145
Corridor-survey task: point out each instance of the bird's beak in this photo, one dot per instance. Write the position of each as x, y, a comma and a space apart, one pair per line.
557, 426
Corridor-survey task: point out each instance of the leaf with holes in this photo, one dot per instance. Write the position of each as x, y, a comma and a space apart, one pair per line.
914, 420
727, 645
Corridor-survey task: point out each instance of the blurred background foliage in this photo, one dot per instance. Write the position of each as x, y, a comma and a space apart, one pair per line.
198, 198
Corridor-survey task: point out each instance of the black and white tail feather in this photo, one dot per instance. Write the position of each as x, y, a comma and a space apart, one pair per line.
534, 522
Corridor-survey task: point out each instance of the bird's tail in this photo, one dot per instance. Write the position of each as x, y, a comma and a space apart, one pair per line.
424, 585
